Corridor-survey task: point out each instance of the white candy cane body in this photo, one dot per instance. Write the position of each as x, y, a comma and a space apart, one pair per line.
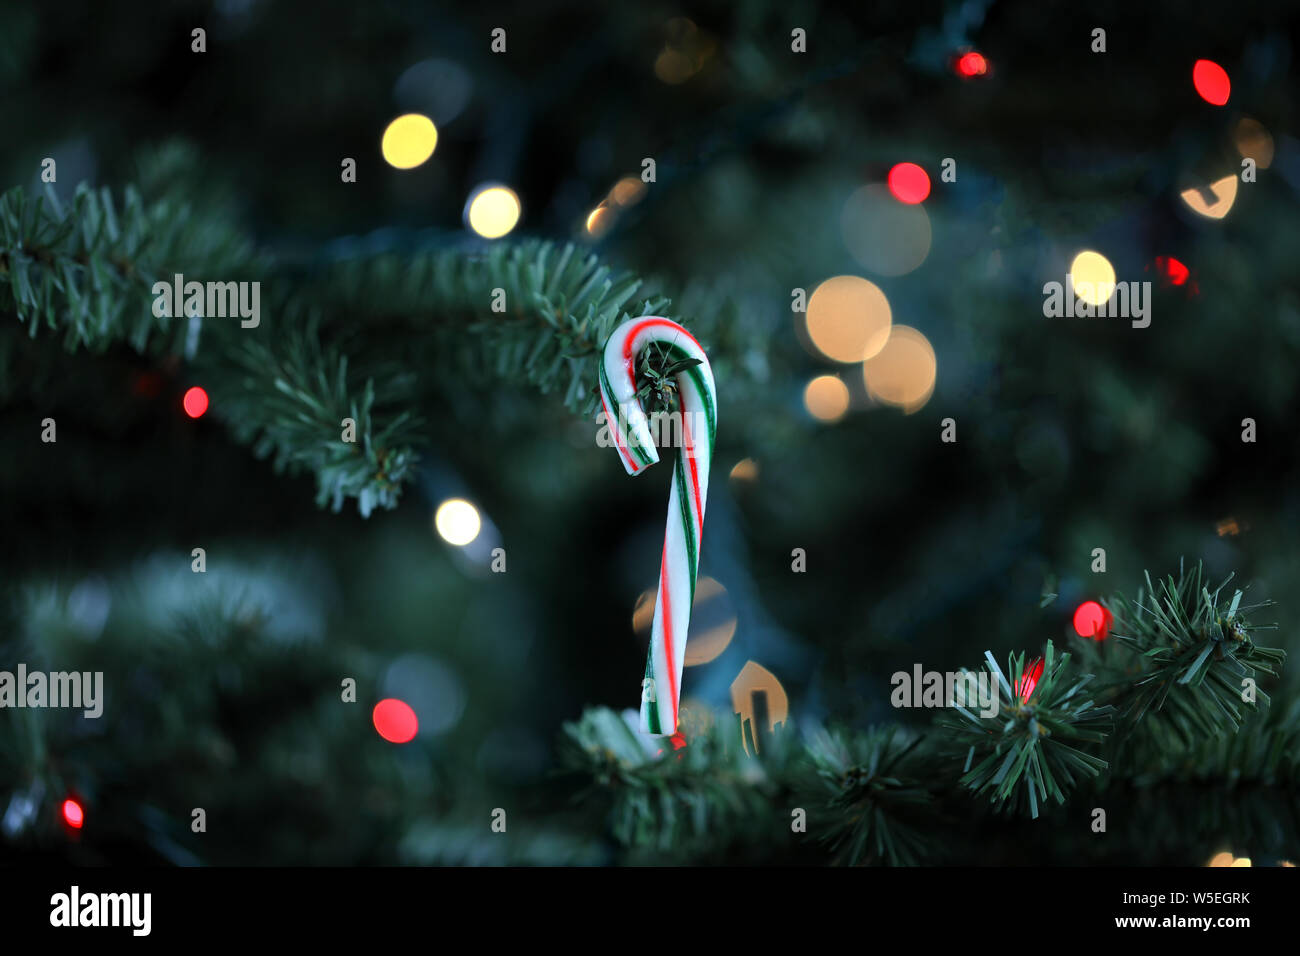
636, 448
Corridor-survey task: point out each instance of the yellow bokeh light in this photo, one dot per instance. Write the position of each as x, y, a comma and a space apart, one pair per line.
457, 521
902, 373
493, 211
1221, 859
627, 191
1093, 277
1213, 201
826, 398
1254, 142
848, 318
1242, 861
409, 140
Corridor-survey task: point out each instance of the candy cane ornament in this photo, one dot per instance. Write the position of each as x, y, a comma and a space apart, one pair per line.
661, 688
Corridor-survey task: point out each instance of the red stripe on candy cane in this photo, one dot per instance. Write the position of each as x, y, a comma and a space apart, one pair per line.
665, 595
688, 449
623, 453
632, 333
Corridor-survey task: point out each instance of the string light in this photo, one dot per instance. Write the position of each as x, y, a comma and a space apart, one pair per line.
457, 521
1213, 201
909, 183
1029, 679
904, 371
848, 318
1211, 82
826, 398
1092, 620
73, 814
492, 211
395, 721
1093, 277
409, 141
971, 64
195, 402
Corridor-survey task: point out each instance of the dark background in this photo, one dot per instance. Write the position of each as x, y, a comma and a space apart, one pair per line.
1073, 433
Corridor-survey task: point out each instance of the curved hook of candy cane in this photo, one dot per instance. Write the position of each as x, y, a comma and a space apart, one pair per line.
679, 565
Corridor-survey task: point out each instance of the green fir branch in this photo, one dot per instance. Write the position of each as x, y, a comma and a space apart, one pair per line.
866, 786
1040, 744
1194, 653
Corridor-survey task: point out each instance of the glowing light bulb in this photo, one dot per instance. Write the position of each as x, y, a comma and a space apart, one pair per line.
1092, 620
195, 402
1211, 82
1093, 277
826, 398
493, 211
73, 815
395, 721
909, 183
409, 140
971, 64
457, 521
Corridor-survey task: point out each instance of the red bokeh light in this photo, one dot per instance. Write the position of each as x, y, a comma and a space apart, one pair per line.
395, 720
195, 402
1211, 81
73, 815
1029, 680
1174, 271
909, 183
1092, 620
972, 64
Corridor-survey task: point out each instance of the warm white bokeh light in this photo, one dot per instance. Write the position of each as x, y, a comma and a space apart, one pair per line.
1093, 277
457, 521
826, 398
902, 373
754, 679
493, 211
1213, 201
848, 318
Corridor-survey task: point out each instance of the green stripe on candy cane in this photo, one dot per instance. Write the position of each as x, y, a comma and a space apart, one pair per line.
679, 562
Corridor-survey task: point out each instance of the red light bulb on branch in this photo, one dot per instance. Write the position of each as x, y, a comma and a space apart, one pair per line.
1029, 679
1092, 620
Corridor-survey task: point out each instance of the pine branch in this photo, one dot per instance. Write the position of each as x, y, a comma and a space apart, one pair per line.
1194, 654
86, 269
533, 313
699, 797
868, 786
1029, 751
